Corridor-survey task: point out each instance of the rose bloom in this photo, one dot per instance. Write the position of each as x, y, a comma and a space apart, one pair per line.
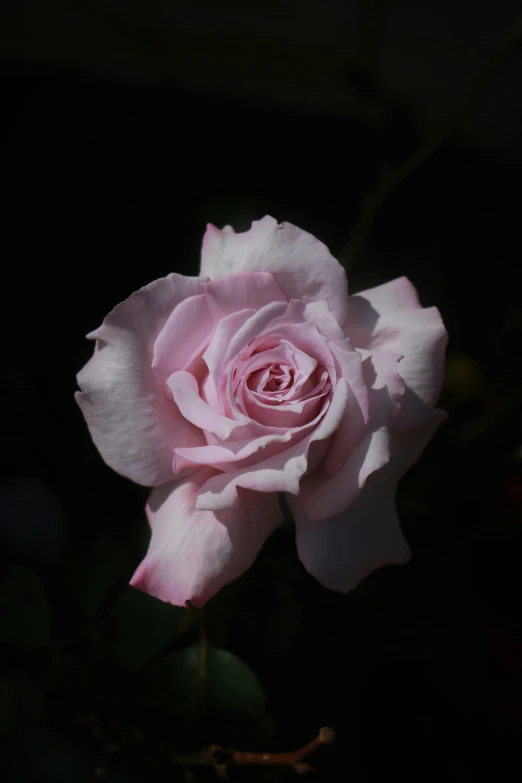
263, 376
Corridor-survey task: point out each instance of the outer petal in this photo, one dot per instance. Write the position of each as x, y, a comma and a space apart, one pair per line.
365, 307
132, 423
193, 554
241, 291
420, 336
302, 265
390, 318
325, 493
342, 550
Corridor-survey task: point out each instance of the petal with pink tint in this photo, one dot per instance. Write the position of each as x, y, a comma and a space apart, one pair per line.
241, 291
193, 554
226, 456
327, 492
420, 336
365, 308
390, 318
306, 337
302, 265
355, 419
233, 333
394, 295
280, 473
324, 495
287, 416
256, 326
342, 550
185, 393
319, 313
236, 454
132, 423
190, 326
183, 338
408, 445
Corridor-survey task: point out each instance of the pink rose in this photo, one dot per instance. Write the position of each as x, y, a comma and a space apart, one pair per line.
263, 376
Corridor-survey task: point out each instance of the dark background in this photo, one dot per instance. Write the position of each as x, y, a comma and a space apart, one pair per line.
109, 180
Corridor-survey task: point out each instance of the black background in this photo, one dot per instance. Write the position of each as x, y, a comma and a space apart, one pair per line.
109, 185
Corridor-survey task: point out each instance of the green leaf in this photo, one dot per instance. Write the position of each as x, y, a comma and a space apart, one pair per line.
24, 611
232, 686
144, 626
204, 678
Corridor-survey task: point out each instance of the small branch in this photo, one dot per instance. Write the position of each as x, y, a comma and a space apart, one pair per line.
221, 758
391, 177
113, 735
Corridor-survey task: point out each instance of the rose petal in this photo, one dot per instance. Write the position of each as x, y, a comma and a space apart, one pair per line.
306, 337
193, 554
302, 265
186, 395
242, 291
407, 446
347, 547
326, 493
280, 473
253, 329
132, 423
236, 454
190, 326
233, 333
344, 549
287, 415
226, 456
420, 336
320, 314
390, 318
354, 422
184, 337
365, 308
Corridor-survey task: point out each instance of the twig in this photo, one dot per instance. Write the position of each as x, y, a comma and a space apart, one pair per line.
392, 176
114, 736
221, 758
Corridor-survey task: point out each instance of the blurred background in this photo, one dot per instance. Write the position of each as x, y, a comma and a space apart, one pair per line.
127, 126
